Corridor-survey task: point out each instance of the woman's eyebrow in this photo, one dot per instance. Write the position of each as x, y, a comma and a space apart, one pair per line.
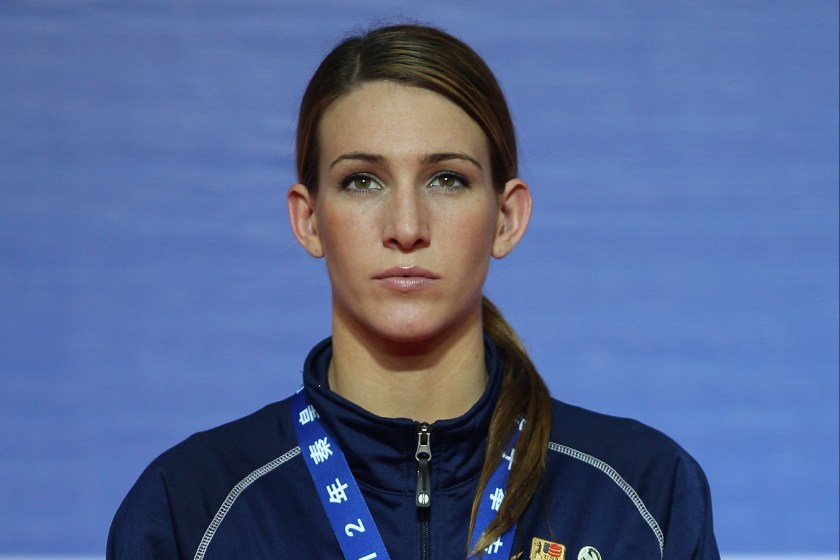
446, 156
382, 161
360, 156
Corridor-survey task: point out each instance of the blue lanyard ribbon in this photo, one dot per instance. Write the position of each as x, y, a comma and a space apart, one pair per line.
344, 504
491, 500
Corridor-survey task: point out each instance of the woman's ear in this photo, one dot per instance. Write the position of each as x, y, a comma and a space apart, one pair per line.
301, 205
514, 215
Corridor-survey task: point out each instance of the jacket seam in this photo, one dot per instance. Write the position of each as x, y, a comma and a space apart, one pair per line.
237, 490
621, 483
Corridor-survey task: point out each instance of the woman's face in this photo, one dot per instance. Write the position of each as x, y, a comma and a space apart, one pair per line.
406, 214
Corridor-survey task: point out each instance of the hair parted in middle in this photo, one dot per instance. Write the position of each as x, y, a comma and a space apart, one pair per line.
431, 59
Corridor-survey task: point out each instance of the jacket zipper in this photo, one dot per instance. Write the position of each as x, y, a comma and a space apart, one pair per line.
423, 496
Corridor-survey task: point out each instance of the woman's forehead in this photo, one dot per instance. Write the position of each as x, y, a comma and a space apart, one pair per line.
395, 120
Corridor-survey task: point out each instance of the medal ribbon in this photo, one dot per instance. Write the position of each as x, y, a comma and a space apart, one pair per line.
344, 504
492, 497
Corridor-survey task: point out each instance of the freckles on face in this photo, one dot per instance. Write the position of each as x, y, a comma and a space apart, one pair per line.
406, 210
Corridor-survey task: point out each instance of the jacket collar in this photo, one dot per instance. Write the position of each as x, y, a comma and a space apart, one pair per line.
380, 451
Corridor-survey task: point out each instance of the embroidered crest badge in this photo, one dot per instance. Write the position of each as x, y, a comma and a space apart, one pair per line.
542, 549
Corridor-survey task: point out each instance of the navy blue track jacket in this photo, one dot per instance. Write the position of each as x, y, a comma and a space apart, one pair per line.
242, 490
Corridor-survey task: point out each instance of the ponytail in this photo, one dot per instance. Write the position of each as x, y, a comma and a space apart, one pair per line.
523, 395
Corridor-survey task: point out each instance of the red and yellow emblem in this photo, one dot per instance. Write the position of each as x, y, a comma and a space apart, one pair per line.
542, 549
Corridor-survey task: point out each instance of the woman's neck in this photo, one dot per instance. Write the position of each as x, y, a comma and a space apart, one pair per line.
426, 381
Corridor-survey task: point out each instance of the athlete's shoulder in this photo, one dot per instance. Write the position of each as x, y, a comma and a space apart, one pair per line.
616, 440
630, 453
171, 504
240, 444
665, 483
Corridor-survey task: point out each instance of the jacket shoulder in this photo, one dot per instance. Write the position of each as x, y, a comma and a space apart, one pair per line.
175, 499
619, 441
238, 444
663, 482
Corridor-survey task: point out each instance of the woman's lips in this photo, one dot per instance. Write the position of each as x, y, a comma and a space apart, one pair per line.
406, 278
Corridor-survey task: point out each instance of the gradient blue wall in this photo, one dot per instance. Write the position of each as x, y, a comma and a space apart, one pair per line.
682, 265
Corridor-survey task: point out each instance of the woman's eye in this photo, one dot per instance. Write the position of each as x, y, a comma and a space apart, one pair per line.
448, 181
360, 182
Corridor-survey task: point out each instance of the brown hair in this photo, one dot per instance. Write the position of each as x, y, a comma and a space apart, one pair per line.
431, 59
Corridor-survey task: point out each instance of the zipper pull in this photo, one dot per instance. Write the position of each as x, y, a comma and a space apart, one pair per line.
423, 455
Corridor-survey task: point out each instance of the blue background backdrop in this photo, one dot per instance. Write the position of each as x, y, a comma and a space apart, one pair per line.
681, 268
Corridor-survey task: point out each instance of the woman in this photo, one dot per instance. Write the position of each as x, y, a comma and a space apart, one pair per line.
423, 429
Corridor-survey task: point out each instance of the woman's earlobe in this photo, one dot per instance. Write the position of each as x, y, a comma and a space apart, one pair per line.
514, 215
301, 204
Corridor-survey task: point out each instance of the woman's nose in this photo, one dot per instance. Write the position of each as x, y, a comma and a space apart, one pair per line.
406, 221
